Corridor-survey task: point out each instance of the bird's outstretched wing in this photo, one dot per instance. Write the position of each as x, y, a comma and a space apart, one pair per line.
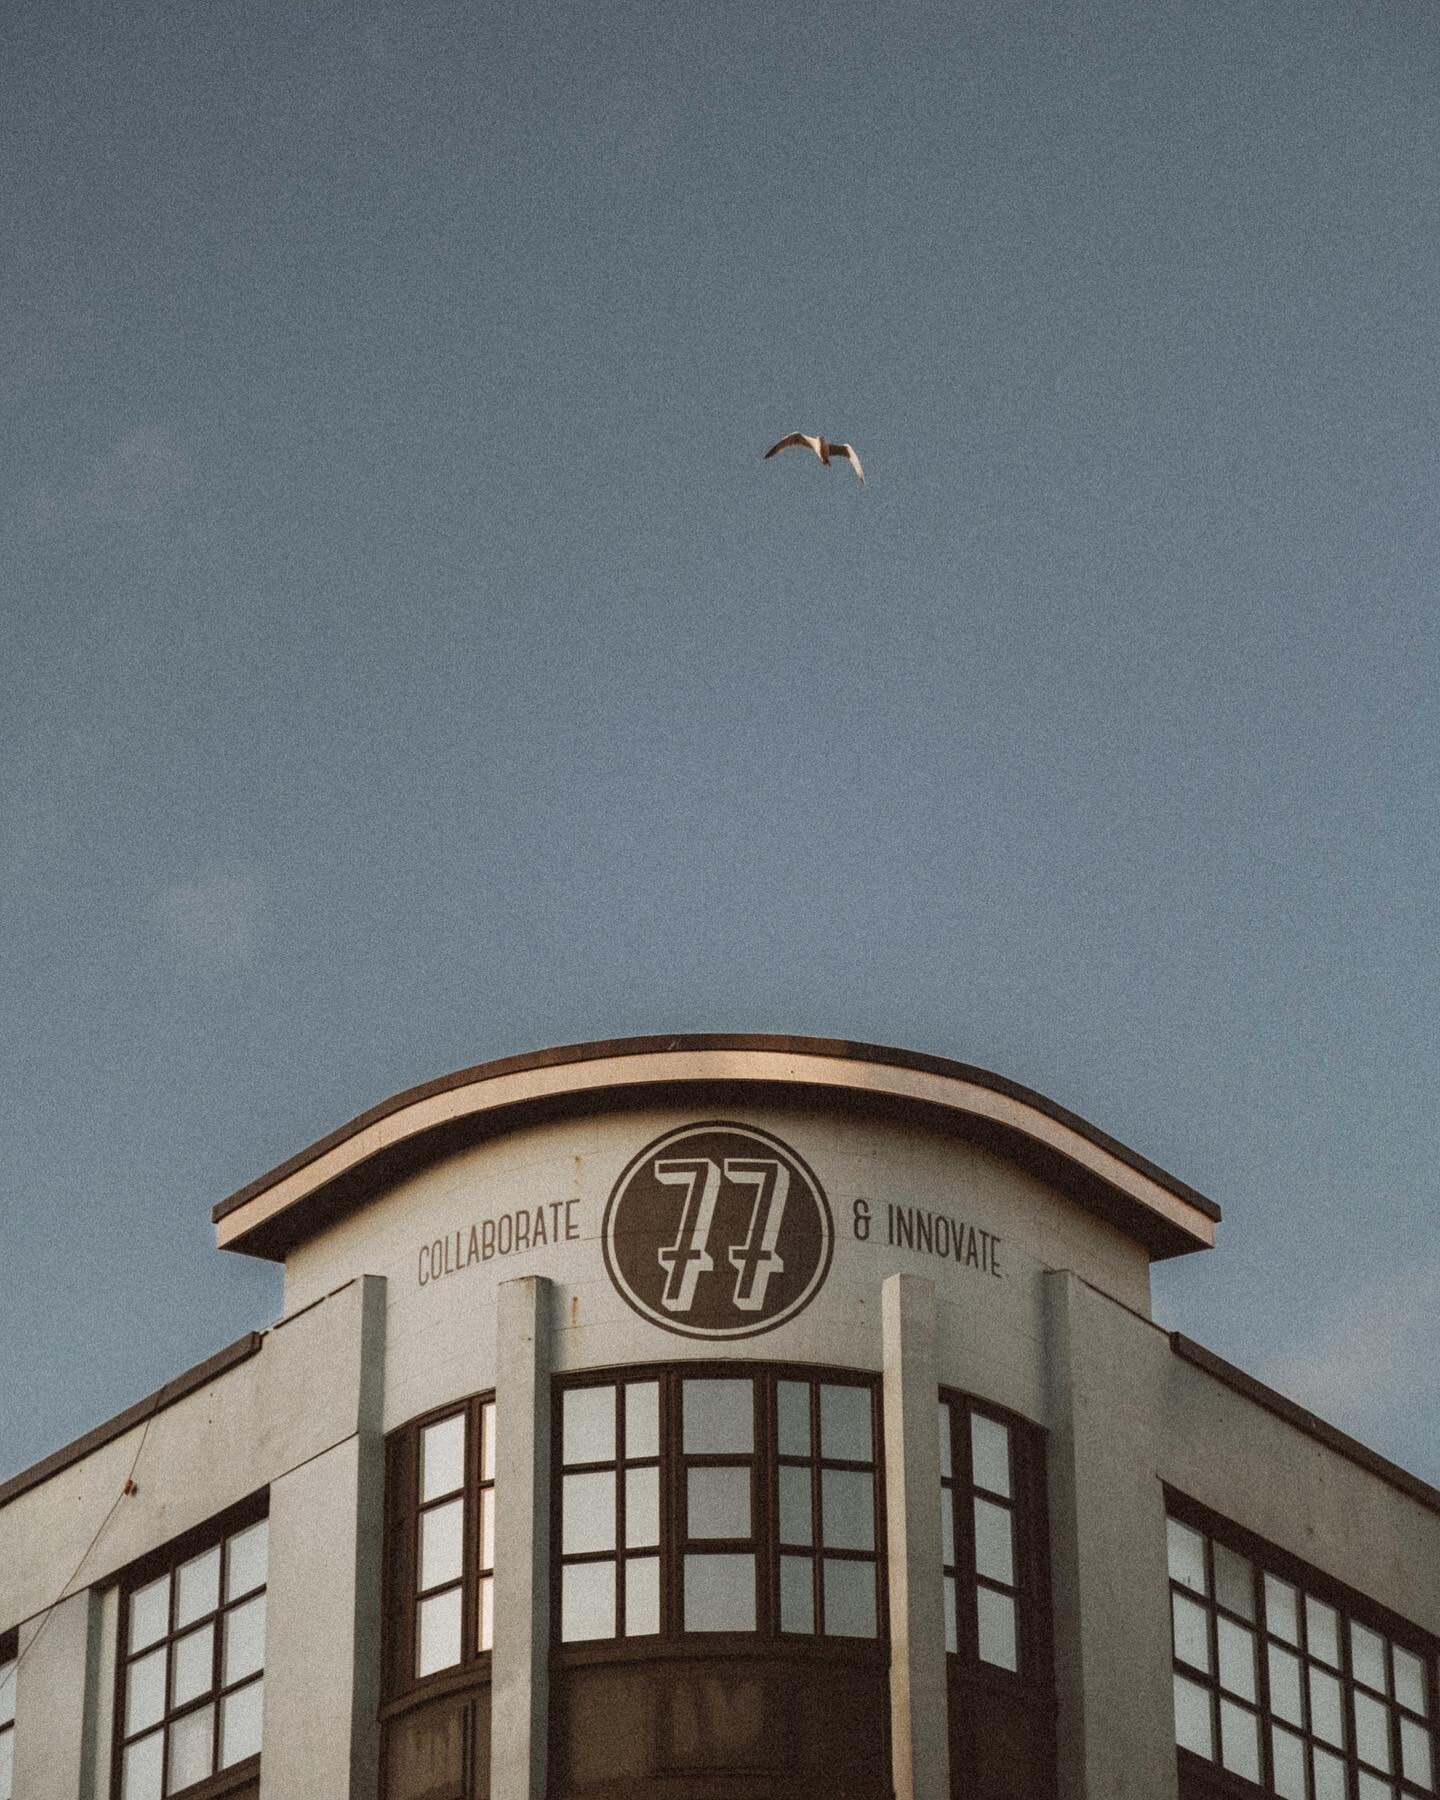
849, 450
787, 443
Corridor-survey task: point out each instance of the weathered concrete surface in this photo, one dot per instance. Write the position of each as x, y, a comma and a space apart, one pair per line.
520, 1683
918, 1720
322, 1624
56, 1686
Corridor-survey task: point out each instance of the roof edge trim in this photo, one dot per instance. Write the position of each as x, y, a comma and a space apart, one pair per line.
827, 1063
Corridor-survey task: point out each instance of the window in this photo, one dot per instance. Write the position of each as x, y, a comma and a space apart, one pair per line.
719, 1499
441, 1537
191, 1665
1290, 1682
439, 1603
9, 1662
994, 1553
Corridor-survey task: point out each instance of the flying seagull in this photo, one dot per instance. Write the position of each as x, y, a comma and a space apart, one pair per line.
822, 447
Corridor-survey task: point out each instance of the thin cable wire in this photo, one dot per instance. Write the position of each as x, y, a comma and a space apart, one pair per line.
126, 1490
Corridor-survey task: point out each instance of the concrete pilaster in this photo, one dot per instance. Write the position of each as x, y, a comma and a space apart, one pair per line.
919, 1716
56, 1702
1108, 1568
520, 1685
322, 1638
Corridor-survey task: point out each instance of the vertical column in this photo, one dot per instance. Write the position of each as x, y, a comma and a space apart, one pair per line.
1116, 1726
322, 1640
56, 1694
919, 1703
520, 1691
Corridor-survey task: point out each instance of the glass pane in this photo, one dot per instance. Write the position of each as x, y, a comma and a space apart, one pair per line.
719, 1417
1329, 1775
847, 1509
1289, 1757
1234, 1584
947, 1527
797, 1594
240, 1721
244, 1641
1373, 1788
796, 1524
845, 1423
587, 1512
145, 1692
587, 1601
442, 1457
197, 1587
588, 1434
642, 1596
1325, 1720
7, 1691
194, 1665
487, 1441
793, 1408
1415, 1754
487, 1528
245, 1559
441, 1535
1372, 1731
1367, 1657
1281, 1613
192, 1749
995, 1618
992, 1542
1193, 1728
642, 1507
951, 1628
849, 1598
486, 1631
947, 1457
1285, 1685
149, 1613
437, 1635
1322, 1631
143, 1764
990, 1453
642, 1418
719, 1593
1239, 1740
1410, 1681
718, 1503
1187, 1557
1237, 1659
1192, 1631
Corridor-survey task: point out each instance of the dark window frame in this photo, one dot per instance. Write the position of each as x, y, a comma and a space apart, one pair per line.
979, 1690
402, 1688
10, 1653
1200, 1774
673, 1640
167, 1559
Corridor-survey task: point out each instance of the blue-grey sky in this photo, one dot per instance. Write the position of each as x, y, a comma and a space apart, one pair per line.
409, 659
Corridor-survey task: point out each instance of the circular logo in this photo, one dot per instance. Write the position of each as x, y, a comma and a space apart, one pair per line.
718, 1231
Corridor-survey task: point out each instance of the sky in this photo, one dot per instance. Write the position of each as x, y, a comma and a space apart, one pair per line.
409, 659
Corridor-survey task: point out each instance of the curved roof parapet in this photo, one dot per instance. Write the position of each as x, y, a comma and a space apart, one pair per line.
306, 1194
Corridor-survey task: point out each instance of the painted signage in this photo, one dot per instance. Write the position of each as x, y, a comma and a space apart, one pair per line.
718, 1230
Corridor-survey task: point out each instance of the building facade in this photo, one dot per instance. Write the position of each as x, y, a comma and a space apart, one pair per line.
718, 1416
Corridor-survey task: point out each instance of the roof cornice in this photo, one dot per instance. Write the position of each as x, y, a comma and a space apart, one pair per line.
305, 1194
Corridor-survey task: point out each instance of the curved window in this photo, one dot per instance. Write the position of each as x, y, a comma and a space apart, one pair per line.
994, 1548
718, 1586
439, 1612
717, 1499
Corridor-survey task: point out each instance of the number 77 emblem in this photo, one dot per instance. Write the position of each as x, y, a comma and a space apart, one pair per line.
688, 1257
